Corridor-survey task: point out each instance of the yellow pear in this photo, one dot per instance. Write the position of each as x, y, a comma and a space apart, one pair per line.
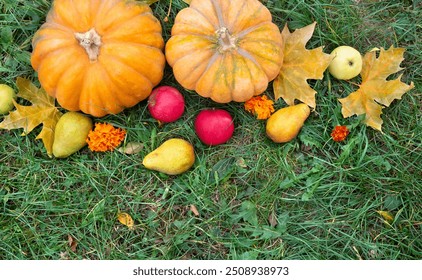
70, 134
284, 125
173, 157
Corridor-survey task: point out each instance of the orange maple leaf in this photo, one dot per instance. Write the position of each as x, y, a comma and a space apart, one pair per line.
375, 90
299, 65
42, 111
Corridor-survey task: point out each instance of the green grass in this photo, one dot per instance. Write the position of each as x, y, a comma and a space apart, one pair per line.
311, 198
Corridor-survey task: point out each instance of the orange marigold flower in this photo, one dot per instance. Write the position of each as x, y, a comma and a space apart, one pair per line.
260, 106
105, 137
339, 133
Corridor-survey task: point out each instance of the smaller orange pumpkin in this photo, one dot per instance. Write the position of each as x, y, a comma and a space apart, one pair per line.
99, 56
225, 50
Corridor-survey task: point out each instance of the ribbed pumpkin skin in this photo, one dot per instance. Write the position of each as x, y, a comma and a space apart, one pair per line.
129, 64
225, 50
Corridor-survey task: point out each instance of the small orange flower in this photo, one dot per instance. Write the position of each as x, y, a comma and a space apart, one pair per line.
105, 137
339, 133
260, 106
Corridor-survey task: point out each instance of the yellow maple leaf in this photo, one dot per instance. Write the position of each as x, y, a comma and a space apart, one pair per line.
42, 111
125, 219
375, 90
299, 65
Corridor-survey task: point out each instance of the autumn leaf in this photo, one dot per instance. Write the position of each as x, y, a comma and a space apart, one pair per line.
72, 243
299, 65
131, 148
194, 210
388, 217
125, 219
273, 219
376, 91
42, 111
187, 1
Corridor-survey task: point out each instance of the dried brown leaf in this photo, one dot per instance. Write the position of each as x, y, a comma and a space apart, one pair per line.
72, 243
131, 148
272, 219
194, 210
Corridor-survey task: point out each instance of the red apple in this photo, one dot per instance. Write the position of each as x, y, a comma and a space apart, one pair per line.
166, 104
214, 126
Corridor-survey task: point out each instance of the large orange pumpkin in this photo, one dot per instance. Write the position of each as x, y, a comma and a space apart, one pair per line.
99, 56
225, 50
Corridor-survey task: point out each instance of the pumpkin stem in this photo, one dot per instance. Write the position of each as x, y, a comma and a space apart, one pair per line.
91, 42
225, 40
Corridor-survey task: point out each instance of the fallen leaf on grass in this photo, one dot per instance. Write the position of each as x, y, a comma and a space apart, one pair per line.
131, 148
125, 219
388, 217
42, 111
64, 255
240, 162
376, 91
72, 243
272, 219
299, 65
194, 210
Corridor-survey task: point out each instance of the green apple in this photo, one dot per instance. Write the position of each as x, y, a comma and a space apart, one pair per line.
346, 63
7, 94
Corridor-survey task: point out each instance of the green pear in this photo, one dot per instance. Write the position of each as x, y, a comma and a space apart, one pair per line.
173, 157
71, 133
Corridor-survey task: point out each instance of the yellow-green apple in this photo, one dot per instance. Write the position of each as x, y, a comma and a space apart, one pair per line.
7, 94
346, 63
